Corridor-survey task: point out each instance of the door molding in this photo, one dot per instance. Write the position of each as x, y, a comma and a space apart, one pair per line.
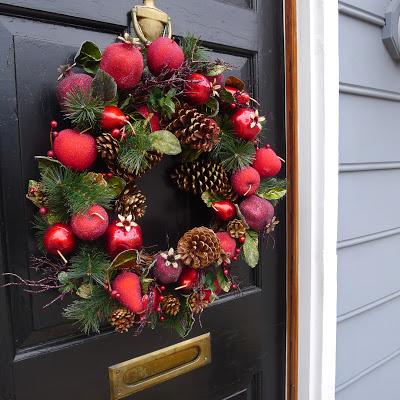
313, 138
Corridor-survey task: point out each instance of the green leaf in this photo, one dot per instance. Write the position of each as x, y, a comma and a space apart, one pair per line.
226, 97
88, 57
210, 198
48, 163
272, 189
250, 248
213, 106
165, 142
35, 198
145, 284
223, 281
63, 278
125, 258
216, 70
116, 184
85, 291
104, 87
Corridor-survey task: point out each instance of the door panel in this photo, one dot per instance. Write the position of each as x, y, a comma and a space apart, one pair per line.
49, 357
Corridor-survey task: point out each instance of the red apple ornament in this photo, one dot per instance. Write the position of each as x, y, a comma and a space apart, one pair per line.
112, 118
266, 162
124, 62
245, 181
59, 240
188, 279
247, 123
164, 54
228, 244
127, 286
224, 209
91, 224
198, 89
74, 149
123, 234
257, 212
70, 83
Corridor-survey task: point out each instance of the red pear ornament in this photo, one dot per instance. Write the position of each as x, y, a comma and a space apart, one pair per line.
188, 279
128, 291
123, 234
59, 240
112, 118
247, 123
224, 209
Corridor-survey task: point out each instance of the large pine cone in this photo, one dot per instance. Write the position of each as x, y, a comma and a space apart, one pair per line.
171, 305
202, 176
194, 128
199, 247
122, 319
131, 201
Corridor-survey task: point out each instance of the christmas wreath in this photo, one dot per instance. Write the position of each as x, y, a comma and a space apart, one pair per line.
128, 107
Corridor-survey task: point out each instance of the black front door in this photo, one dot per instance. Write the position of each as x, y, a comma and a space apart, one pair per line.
42, 357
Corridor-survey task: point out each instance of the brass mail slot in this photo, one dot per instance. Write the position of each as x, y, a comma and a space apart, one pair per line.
151, 369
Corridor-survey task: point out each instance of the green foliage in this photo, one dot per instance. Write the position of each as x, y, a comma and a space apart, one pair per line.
133, 150
83, 109
223, 281
104, 87
182, 323
272, 189
250, 248
162, 103
192, 49
232, 152
68, 192
210, 198
91, 312
165, 142
40, 225
90, 264
88, 57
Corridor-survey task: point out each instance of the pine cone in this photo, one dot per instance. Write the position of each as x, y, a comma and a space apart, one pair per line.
108, 147
131, 201
201, 176
199, 247
197, 302
122, 319
236, 228
194, 128
171, 305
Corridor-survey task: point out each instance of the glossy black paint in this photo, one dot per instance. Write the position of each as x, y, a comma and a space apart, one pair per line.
42, 357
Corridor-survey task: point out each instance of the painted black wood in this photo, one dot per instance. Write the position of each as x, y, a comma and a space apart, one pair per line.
41, 355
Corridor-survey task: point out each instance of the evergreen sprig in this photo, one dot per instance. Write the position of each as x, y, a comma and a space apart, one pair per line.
68, 192
40, 225
90, 264
92, 312
83, 109
162, 103
134, 149
192, 49
232, 152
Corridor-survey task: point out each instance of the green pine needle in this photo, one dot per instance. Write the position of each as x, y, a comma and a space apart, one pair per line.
91, 313
232, 152
192, 49
68, 192
90, 264
40, 225
134, 149
83, 109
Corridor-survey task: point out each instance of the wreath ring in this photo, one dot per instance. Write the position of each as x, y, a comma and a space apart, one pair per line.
127, 117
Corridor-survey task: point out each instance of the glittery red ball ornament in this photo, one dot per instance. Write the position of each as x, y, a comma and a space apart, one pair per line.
74, 149
59, 238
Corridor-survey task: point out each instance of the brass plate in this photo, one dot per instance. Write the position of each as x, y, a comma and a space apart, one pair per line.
162, 365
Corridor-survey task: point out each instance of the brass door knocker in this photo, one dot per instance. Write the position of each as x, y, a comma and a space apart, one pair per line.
150, 22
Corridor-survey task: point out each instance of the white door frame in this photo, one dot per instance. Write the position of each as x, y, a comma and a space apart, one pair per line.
318, 137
